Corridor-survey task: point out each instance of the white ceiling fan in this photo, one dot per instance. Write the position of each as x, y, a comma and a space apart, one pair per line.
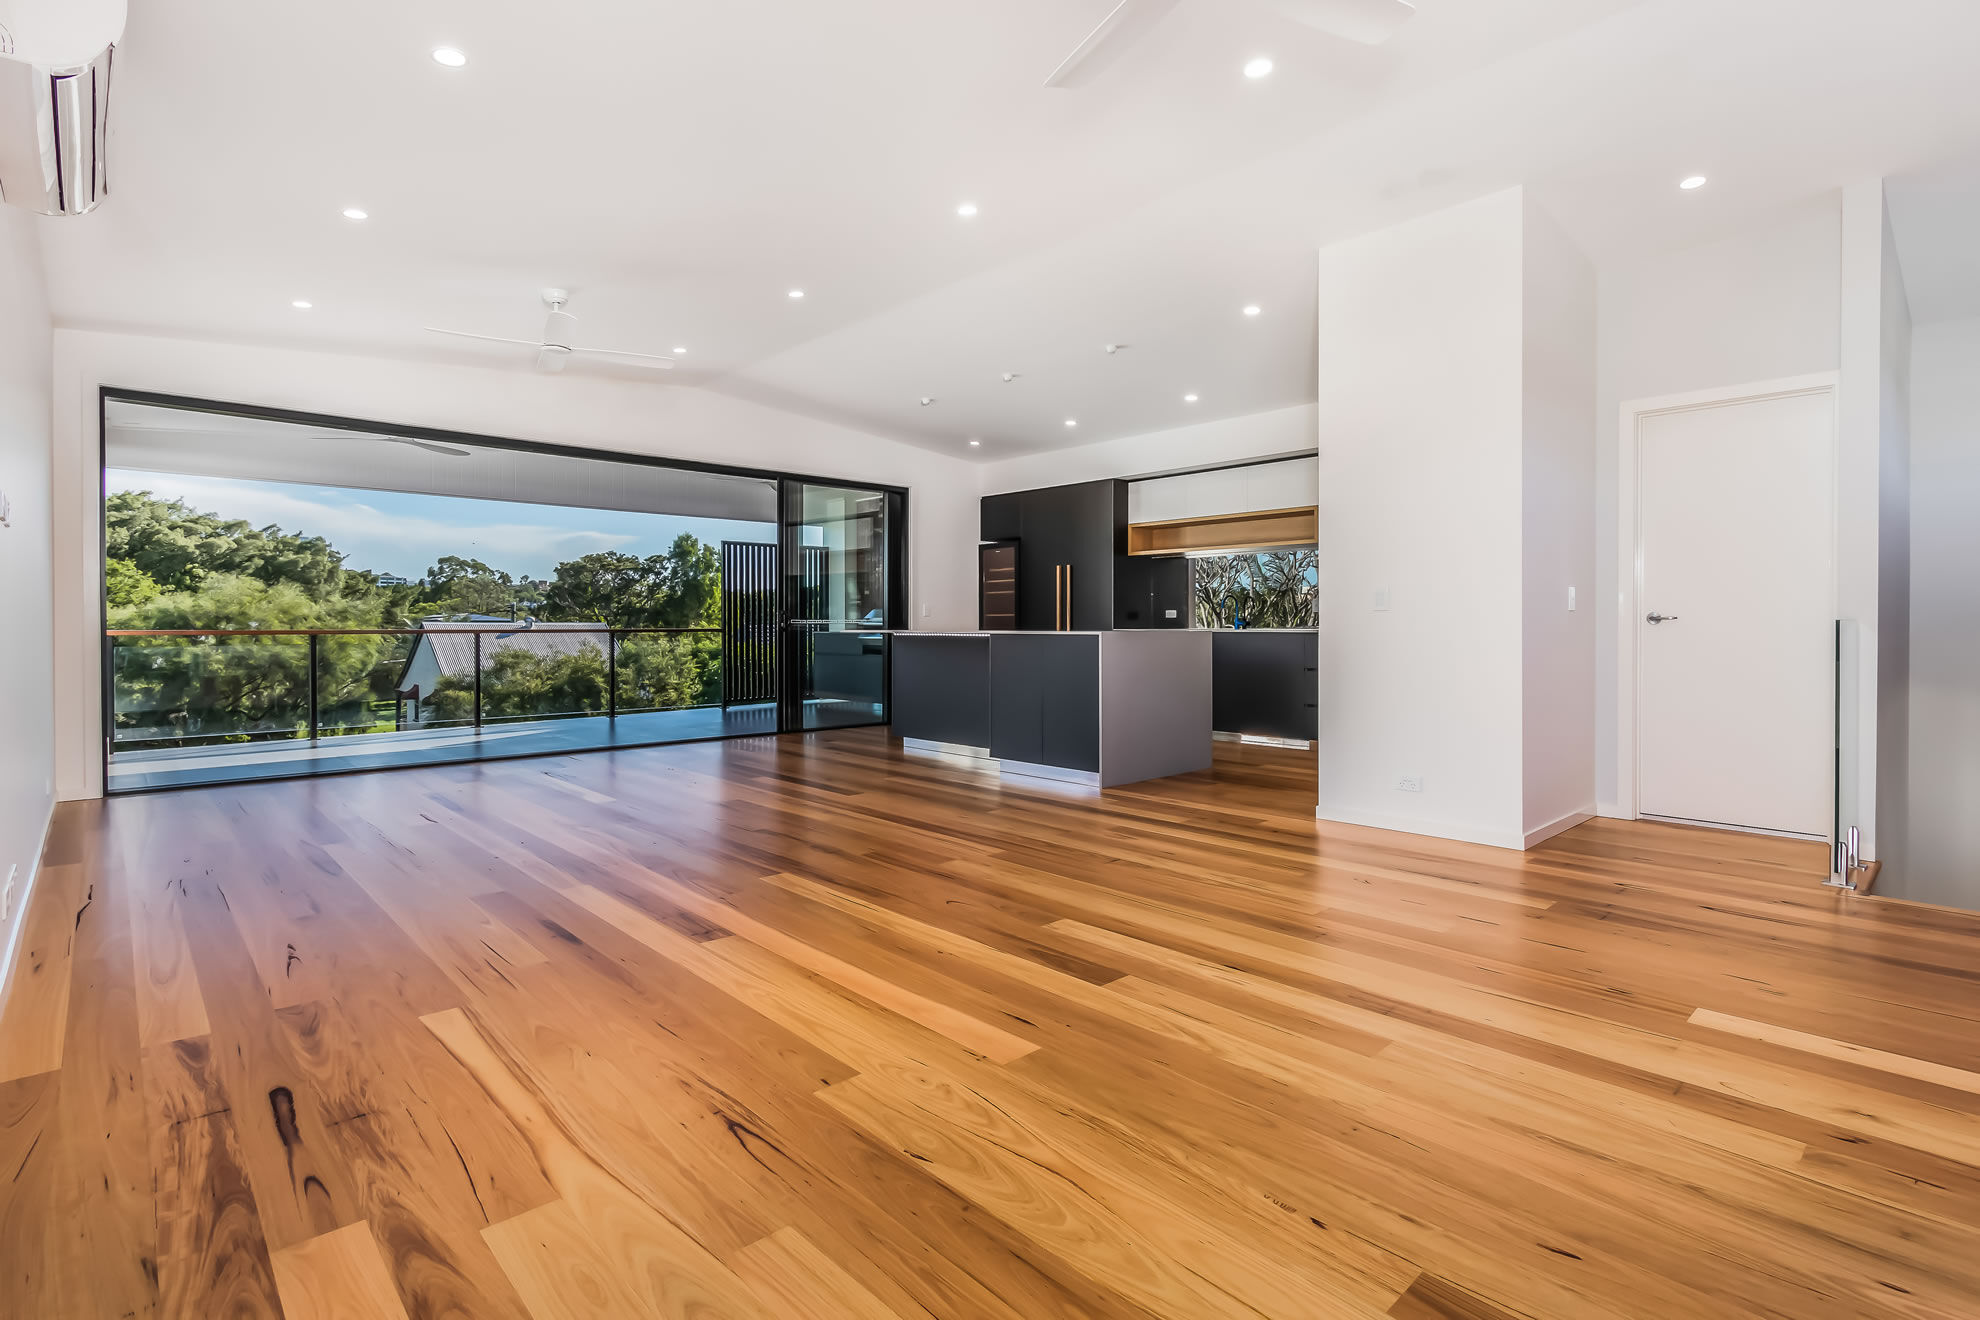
556, 348
1369, 22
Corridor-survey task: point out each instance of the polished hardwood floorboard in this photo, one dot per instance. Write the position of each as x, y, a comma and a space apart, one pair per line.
805, 1028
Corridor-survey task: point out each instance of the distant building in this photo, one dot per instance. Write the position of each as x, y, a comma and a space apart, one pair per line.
446, 649
393, 580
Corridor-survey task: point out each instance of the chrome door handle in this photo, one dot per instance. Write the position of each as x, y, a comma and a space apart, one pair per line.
1660, 618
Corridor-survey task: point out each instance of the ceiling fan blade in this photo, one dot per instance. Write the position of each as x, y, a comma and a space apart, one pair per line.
557, 330
492, 339
1122, 25
659, 361
1370, 22
551, 357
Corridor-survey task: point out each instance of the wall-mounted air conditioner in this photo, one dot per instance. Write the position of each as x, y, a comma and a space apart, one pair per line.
55, 61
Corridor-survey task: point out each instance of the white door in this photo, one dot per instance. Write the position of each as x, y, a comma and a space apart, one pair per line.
1735, 706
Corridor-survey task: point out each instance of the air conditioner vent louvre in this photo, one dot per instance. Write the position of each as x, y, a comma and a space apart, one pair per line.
53, 129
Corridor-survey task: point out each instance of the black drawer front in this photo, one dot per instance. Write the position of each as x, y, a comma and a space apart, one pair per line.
942, 689
1265, 683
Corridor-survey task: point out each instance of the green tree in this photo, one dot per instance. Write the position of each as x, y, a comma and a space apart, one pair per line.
125, 584
178, 547
653, 672
517, 683
202, 689
659, 672
608, 587
690, 586
680, 588
468, 586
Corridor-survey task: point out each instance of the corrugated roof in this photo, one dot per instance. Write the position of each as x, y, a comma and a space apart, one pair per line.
453, 643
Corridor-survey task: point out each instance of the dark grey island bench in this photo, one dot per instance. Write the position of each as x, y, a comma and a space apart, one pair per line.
1099, 708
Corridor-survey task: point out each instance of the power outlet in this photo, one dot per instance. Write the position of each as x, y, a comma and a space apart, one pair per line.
7, 891
1410, 784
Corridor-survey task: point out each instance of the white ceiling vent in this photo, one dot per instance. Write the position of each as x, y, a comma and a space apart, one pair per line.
55, 60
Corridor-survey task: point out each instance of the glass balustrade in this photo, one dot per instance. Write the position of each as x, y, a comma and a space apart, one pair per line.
217, 706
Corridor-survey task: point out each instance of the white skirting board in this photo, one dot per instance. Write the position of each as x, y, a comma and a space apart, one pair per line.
23, 892
1538, 836
1459, 833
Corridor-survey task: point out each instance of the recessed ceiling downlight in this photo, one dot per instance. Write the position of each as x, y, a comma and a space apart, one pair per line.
1072, 421
302, 304
1258, 68
356, 213
1189, 398
967, 210
975, 444
449, 57
680, 348
1693, 183
1253, 309
797, 293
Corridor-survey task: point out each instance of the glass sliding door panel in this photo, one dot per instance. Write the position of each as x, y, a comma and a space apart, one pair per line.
841, 583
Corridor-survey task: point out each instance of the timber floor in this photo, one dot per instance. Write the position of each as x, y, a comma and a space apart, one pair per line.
803, 1027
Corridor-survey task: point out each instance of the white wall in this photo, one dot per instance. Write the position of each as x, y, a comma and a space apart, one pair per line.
1276, 434
1942, 852
573, 409
28, 759
1764, 304
1558, 530
1893, 768
1421, 441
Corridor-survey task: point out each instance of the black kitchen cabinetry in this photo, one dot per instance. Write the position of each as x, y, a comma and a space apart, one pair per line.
942, 689
1003, 518
1263, 681
1045, 701
1072, 542
1152, 591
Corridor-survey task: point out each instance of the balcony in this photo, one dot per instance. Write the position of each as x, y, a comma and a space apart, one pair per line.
211, 706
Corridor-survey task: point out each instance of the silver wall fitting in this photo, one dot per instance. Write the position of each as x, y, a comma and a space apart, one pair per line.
54, 123
1848, 860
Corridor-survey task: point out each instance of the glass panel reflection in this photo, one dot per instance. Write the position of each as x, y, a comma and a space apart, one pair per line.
841, 606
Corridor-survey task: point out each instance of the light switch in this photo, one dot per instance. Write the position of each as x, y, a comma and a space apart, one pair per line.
1168, 614
1570, 600
1381, 599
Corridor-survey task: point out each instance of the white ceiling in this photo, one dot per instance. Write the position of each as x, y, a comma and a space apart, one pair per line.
679, 165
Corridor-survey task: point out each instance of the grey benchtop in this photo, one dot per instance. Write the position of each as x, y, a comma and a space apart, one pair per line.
1000, 632
1114, 632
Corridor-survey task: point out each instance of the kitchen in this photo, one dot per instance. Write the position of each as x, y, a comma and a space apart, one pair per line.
1124, 624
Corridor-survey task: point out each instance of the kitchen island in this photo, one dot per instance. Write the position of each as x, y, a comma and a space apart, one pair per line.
1100, 708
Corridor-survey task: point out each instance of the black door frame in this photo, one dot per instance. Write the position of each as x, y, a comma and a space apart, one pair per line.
790, 591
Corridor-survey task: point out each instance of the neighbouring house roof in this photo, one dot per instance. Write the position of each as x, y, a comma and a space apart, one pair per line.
452, 643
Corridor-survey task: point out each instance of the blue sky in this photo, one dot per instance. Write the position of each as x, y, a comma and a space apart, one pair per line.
393, 532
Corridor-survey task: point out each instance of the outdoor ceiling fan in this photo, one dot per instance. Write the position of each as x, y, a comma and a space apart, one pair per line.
1369, 22
556, 348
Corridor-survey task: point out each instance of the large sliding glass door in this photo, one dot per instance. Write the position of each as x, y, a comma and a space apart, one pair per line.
266, 613
843, 591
